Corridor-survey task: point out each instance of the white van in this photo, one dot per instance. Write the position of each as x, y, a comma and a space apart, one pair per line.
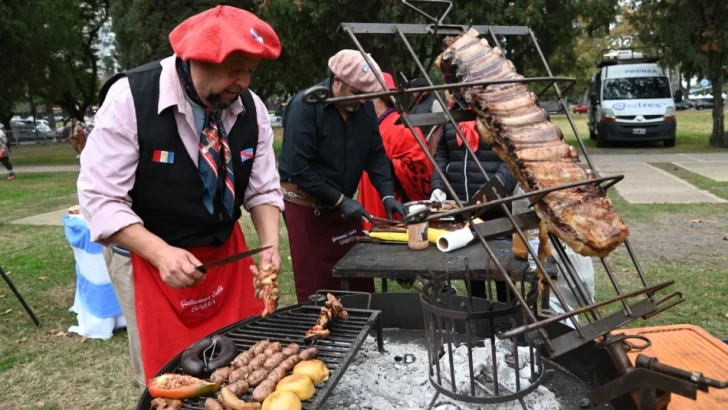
631, 102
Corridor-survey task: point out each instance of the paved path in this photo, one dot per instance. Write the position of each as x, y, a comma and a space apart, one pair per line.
644, 184
50, 218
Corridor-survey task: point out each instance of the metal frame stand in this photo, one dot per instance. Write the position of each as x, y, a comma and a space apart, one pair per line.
599, 327
19, 296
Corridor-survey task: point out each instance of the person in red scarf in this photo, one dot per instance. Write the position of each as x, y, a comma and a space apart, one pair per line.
410, 167
180, 146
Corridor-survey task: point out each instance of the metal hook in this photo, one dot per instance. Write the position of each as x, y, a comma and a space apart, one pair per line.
204, 353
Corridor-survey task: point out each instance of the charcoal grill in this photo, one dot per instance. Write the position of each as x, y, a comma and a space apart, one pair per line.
288, 325
639, 385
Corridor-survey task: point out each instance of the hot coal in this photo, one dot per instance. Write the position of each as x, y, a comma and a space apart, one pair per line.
377, 380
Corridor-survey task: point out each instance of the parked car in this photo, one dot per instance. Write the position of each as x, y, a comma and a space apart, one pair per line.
580, 109
704, 104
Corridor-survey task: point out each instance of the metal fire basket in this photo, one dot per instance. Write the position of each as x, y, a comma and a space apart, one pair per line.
451, 326
601, 317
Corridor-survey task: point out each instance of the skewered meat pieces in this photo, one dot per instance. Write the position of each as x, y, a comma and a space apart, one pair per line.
509, 119
332, 308
266, 289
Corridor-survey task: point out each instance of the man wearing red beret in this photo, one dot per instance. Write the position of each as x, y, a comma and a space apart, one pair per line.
180, 145
326, 148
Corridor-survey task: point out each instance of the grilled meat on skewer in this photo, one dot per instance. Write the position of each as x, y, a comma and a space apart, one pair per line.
331, 308
509, 119
266, 289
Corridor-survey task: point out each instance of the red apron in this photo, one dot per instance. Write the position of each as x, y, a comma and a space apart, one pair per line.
317, 243
170, 320
412, 169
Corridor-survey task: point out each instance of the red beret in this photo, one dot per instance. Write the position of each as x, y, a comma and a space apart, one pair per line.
214, 34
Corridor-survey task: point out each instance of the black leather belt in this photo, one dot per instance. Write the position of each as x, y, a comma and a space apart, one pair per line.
120, 251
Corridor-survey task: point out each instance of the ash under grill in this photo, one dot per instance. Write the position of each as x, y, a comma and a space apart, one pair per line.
288, 325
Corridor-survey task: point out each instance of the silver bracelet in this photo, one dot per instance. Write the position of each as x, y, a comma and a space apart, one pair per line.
388, 196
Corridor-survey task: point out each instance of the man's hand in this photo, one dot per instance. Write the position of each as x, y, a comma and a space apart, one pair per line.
177, 267
438, 195
354, 211
271, 256
391, 205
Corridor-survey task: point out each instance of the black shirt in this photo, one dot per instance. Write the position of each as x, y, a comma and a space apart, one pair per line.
326, 156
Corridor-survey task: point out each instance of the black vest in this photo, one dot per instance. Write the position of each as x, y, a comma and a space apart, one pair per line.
168, 196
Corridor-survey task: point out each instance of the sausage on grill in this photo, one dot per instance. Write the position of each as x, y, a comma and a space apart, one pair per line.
263, 390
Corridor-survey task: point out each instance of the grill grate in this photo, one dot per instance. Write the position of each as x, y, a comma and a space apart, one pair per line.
288, 325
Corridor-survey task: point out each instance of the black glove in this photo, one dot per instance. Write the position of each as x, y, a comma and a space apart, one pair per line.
391, 205
353, 211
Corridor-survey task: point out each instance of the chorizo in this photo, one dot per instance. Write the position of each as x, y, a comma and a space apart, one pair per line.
258, 361
291, 349
273, 361
308, 354
257, 376
292, 361
242, 359
220, 375
264, 389
239, 374
277, 374
272, 348
259, 348
239, 388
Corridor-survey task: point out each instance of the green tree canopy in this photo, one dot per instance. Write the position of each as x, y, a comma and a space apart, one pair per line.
695, 33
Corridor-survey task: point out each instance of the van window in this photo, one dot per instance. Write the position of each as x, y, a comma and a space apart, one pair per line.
636, 87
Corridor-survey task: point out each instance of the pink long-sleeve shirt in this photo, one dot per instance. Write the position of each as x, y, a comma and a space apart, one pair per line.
110, 157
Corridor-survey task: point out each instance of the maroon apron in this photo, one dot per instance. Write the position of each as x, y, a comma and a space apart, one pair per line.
317, 243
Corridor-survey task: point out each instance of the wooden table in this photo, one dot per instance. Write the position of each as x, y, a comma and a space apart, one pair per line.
398, 262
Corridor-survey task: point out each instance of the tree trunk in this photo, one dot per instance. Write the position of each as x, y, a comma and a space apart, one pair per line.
51, 114
719, 138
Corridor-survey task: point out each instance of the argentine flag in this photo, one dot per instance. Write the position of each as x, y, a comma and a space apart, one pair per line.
95, 304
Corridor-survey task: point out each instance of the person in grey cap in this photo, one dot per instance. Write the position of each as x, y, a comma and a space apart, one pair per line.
326, 149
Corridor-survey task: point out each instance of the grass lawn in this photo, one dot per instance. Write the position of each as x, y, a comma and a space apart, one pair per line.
63, 154
693, 132
50, 369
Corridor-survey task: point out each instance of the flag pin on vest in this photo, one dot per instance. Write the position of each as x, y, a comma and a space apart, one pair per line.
246, 154
163, 156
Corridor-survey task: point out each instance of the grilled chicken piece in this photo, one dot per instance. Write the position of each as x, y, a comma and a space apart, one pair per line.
266, 289
510, 120
332, 308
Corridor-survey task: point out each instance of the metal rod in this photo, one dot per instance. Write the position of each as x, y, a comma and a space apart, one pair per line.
553, 319
489, 204
492, 353
574, 276
310, 95
447, 113
539, 265
637, 265
563, 103
451, 359
469, 333
613, 279
19, 297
